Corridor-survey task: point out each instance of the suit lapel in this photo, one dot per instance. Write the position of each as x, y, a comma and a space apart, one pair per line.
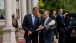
53, 16
30, 19
48, 21
35, 21
43, 22
62, 17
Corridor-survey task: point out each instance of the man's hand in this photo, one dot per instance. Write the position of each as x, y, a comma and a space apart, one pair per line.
29, 33
65, 14
47, 26
40, 27
66, 28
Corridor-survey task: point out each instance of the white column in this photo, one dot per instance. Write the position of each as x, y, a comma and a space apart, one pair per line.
20, 9
23, 13
23, 9
37, 2
34, 3
20, 14
14, 7
29, 6
8, 12
8, 31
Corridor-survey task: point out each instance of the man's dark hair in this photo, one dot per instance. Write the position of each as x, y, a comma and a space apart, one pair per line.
13, 15
58, 9
34, 8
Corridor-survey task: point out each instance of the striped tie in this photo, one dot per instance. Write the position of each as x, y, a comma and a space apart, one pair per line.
45, 22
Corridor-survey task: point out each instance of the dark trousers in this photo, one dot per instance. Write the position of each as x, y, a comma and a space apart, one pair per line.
62, 38
33, 37
56, 33
41, 37
68, 32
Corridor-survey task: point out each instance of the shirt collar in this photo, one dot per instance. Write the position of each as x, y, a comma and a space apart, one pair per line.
32, 15
61, 14
47, 18
54, 14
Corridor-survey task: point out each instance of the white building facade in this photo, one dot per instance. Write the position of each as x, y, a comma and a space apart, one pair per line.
18, 7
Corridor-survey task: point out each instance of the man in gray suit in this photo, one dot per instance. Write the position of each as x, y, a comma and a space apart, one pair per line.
48, 35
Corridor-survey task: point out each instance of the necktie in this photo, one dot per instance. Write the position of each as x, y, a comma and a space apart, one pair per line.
33, 19
45, 22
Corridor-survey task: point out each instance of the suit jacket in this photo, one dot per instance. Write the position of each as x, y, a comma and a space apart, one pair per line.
60, 24
28, 26
48, 35
53, 17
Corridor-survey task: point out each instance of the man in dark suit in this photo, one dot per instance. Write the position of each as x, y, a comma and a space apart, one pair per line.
30, 24
54, 18
61, 26
48, 35
54, 15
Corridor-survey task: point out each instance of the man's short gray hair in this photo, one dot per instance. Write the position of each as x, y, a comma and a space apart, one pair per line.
46, 11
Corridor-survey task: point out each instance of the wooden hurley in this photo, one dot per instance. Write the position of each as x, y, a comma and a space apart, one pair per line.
51, 23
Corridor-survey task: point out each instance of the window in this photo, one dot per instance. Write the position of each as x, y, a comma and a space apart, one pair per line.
72, 21
2, 13
17, 13
17, 9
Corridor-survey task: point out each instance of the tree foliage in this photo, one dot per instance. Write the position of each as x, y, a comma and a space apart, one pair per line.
41, 6
51, 5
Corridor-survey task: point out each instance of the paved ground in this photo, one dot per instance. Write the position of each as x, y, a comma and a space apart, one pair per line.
20, 37
1, 38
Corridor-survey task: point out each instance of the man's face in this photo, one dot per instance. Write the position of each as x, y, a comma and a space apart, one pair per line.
54, 12
35, 12
46, 15
61, 11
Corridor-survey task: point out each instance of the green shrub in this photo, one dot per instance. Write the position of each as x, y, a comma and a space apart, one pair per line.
1, 27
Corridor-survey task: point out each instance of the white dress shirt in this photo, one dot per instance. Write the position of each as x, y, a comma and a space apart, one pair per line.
33, 18
46, 21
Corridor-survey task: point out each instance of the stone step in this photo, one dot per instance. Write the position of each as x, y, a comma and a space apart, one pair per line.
21, 39
1, 38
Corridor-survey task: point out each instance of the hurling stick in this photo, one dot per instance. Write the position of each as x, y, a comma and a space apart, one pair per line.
51, 23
